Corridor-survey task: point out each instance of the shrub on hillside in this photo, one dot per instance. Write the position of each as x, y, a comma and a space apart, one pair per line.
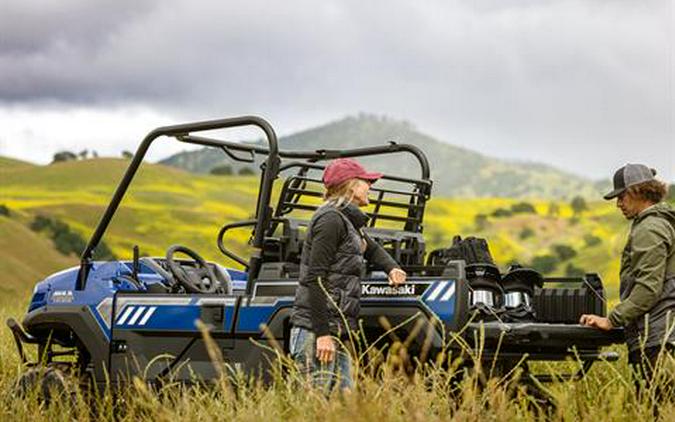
4, 210
573, 271
578, 205
526, 233
65, 240
564, 252
544, 263
481, 221
523, 208
246, 171
40, 223
222, 170
68, 242
592, 240
501, 212
104, 252
63, 156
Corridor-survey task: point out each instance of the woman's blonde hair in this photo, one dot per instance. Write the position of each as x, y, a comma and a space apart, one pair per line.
340, 195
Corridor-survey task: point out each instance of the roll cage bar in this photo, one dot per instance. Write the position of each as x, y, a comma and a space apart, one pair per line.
265, 218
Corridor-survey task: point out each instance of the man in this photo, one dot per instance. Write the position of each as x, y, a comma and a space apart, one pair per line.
647, 274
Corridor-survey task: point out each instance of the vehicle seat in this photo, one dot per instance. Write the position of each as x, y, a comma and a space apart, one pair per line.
223, 278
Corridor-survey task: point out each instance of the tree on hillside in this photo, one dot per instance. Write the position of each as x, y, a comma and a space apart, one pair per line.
523, 207
40, 223
127, 154
592, 240
502, 212
578, 205
63, 156
481, 221
573, 271
564, 252
544, 263
223, 170
246, 171
67, 241
526, 233
84, 154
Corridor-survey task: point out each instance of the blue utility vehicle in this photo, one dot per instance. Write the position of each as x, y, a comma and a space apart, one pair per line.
109, 321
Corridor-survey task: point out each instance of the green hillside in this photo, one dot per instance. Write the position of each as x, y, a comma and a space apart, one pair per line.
165, 206
26, 257
596, 237
9, 164
455, 171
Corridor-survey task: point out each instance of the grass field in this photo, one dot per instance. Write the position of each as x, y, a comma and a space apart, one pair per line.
606, 394
167, 206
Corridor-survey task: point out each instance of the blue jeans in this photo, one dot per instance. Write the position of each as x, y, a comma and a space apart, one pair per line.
324, 376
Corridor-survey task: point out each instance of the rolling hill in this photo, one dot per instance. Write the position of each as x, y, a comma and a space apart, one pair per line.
163, 206
166, 205
455, 171
9, 164
26, 257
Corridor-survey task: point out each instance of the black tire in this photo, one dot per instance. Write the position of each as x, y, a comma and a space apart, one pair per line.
51, 384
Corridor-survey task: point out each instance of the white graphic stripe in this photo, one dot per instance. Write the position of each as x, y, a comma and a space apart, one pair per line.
437, 291
147, 315
449, 293
137, 315
125, 315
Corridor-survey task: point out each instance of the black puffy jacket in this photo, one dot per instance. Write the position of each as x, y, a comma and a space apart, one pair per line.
338, 263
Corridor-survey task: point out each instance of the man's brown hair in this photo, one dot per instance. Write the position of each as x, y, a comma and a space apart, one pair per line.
653, 191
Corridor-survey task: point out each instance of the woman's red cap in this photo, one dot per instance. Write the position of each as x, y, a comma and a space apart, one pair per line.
343, 169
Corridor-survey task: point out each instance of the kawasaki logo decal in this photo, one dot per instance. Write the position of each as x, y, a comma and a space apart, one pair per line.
379, 290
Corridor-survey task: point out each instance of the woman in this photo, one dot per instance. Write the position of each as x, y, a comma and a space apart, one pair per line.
327, 301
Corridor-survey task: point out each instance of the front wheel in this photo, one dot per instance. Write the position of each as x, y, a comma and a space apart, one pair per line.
49, 384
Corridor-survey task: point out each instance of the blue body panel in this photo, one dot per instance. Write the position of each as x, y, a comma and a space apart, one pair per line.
157, 317
252, 316
152, 313
103, 282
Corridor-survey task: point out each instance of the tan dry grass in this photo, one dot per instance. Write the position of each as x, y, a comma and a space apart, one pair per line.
606, 394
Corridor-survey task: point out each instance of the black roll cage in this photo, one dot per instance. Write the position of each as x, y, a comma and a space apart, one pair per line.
271, 167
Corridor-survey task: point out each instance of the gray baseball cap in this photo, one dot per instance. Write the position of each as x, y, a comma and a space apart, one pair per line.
629, 175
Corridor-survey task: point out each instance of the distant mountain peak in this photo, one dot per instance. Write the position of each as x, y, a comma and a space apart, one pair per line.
456, 171
378, 119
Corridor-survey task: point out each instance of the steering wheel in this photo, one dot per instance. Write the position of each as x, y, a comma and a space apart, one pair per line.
193, 279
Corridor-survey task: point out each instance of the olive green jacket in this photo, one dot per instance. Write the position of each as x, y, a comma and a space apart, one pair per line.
647, 278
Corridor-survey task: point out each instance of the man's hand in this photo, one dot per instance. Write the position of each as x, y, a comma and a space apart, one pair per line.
325, 349
596, 321
397, 277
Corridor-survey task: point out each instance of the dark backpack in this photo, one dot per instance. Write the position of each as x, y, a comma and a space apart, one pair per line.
472, 250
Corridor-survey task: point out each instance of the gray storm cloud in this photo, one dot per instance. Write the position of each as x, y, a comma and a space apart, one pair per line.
573, 83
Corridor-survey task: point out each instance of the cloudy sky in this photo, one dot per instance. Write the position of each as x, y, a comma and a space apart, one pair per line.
585, 85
